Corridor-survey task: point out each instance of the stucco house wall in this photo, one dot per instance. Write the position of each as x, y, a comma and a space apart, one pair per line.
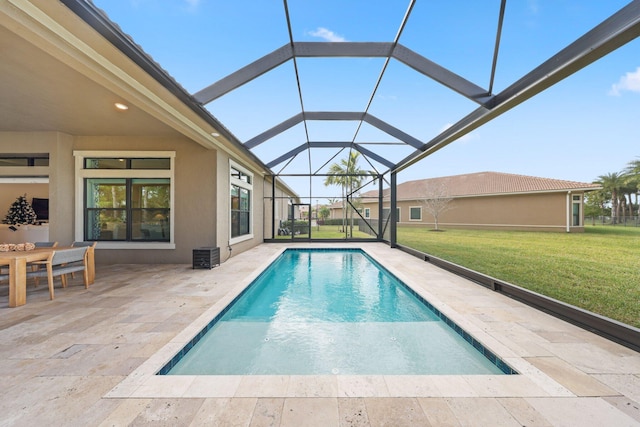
543, 212
490, 200
202, 200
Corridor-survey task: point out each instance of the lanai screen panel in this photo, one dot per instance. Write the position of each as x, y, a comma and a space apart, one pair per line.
284, 77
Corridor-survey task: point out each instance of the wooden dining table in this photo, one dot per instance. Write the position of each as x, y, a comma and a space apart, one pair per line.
17, 262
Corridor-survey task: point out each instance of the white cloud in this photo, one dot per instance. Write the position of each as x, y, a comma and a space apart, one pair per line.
466, 138
328, 35
630, 81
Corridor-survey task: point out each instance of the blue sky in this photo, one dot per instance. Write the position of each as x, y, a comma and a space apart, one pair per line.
583, 127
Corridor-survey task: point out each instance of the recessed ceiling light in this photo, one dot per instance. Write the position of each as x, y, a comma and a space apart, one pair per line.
215, 134
121, 106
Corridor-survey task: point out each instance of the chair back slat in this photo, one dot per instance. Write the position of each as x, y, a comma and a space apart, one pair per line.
46, 244
83, 244
68, 255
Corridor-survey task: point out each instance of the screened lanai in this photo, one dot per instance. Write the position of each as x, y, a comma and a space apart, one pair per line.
337, 99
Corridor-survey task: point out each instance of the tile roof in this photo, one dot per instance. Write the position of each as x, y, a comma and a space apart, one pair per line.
485, 183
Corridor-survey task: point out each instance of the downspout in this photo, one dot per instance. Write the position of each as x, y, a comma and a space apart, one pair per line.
273, 207
392, 214
380, 210
568, 210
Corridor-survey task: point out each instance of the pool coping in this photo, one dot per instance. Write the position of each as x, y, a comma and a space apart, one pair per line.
144, 383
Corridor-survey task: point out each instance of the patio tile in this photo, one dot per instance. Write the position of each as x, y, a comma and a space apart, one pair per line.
628, 385
572, 378
53, 400
624, 404
352, 412
267, 412
163, 387
523, 412
397, 412
224, 412
125, 412
263, 386
453, 386
595, 359
320, 412
413, 386
503, 385
213, 386
312, 386
167, 412
580, 412
438, 412
481, 412
362, 386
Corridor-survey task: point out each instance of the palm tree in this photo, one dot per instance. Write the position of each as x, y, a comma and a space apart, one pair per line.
612, 183
347, 174
632, 174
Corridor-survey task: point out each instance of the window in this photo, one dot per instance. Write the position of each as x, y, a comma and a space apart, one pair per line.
575, 211
367, 212
126, 163
241, 190
125, 199
9, 160
127, 209
415, 213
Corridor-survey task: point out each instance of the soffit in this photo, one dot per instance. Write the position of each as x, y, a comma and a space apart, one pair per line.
59, 74
41, 93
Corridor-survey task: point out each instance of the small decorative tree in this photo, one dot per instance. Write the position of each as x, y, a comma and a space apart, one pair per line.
20, 212
436, 200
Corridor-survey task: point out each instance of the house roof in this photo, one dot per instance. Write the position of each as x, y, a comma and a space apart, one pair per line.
485, 184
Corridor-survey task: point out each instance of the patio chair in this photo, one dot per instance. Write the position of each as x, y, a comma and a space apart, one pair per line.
34, 267
60, 263
82, 245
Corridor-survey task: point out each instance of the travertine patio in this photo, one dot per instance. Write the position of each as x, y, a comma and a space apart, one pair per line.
88, 358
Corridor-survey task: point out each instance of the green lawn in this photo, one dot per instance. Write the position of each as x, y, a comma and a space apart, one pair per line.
598, 270
328, 232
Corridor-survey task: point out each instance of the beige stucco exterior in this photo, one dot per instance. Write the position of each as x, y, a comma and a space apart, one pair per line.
544, 211
202, 199
201, 182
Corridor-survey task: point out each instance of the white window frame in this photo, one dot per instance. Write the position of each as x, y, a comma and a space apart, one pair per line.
576, 199
82, 174
246, 186
415, 207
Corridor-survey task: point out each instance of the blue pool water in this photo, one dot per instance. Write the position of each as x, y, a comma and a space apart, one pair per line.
317, 312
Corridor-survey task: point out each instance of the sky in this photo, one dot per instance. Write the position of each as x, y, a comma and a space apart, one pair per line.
583, 127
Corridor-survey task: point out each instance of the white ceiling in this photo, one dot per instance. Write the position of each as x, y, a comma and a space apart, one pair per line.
40, 93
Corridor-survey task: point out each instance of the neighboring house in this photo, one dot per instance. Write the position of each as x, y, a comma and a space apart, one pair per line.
120, 150
490, 200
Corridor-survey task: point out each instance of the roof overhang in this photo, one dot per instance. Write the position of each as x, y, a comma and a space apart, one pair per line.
64, 68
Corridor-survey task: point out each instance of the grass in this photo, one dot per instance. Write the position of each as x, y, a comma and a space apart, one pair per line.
598, 270
328, 232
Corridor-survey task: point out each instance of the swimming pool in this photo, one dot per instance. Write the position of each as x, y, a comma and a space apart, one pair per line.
316, 312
